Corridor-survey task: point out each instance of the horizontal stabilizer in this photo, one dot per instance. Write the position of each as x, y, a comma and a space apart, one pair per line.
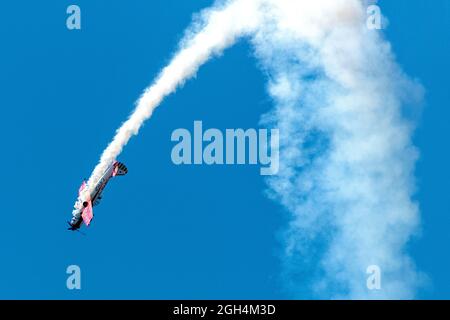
121, 169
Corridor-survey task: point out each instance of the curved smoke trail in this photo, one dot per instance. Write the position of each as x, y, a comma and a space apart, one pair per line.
347, 160
216, 30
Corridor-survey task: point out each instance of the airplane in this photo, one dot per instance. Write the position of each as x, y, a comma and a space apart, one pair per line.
82, 211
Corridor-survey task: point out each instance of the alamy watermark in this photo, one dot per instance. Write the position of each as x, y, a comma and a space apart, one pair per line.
73, 282
374, 279
374, 17
235, 146
73, 21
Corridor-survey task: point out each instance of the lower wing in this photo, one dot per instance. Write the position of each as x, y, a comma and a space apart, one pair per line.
87, 214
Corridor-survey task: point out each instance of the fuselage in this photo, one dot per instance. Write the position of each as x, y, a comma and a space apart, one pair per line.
91, 195
96, 192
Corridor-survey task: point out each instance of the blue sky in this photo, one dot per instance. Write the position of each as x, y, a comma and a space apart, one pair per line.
165, 231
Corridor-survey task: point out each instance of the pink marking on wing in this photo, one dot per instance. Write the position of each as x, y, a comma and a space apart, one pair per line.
83, 185
115, 170
87, 214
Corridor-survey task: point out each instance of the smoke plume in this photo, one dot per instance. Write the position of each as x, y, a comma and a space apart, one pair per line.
346, 156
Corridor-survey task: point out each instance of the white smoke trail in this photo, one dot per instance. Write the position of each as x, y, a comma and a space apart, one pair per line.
216, 29
347, 161
346, 156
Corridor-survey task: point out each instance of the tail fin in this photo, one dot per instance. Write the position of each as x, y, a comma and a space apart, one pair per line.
121, 169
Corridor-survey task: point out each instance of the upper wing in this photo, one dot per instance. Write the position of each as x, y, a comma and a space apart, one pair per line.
83, 185
87, 214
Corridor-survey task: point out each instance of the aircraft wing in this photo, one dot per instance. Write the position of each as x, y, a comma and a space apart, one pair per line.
83, 185
87, 214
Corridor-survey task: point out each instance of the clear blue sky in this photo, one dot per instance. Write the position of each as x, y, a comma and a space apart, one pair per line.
165, 231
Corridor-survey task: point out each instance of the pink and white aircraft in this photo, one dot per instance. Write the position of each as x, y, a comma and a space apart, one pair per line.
82, 211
